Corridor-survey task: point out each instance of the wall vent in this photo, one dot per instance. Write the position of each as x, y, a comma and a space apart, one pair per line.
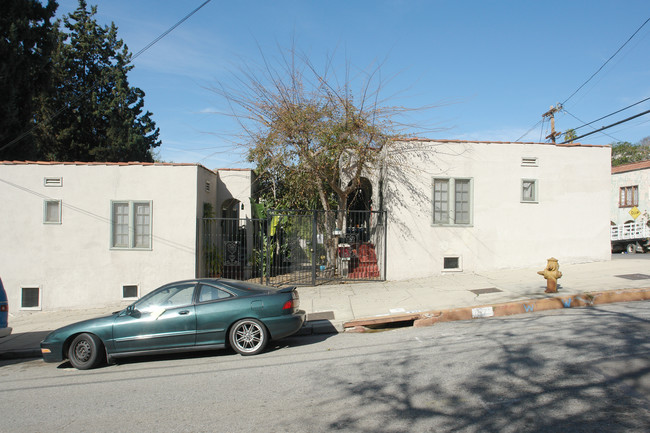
30, 298
53, 181
451, 263
529, 161
129, 291
207, 186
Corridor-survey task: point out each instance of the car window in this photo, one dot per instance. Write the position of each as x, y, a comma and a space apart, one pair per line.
211, 293
169, 296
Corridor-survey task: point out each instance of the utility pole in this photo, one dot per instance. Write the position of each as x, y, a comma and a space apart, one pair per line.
551, 114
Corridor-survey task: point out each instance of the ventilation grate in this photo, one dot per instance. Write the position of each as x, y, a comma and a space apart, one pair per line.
53, 181
529, 161
486, 291
325, 315
634, 276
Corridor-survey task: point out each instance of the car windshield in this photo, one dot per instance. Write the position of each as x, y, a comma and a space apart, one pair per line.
167, 297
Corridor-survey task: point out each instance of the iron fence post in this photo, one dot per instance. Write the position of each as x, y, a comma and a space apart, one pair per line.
314, 242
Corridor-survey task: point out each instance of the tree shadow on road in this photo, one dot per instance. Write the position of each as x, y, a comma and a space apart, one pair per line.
542, 375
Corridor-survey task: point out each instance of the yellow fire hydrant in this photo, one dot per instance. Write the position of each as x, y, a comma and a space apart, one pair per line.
551, 275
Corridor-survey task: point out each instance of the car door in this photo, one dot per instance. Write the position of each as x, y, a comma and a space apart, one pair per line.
216, 309
164, 319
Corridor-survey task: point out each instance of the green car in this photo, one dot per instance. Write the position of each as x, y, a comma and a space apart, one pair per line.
186, 315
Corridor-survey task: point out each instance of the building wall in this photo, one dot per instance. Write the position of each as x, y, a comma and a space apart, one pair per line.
73, 262
570, 220
235, 184
639, 177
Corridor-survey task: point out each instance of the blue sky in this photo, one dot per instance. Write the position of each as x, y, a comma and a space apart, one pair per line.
491, 69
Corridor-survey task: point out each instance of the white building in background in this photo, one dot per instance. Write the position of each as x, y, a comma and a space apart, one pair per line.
630, 208
468, 206
630, 190
90, 234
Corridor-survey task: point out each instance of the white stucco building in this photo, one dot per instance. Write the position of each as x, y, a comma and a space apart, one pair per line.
88, 234
630, 189
465, 206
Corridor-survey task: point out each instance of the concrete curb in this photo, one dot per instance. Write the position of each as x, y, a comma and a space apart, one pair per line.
20, 354
429, 318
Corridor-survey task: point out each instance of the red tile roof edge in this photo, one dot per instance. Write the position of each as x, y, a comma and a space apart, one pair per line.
503, 142
631, 167
94, 163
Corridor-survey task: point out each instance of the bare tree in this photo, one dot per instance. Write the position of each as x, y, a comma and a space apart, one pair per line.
308, 125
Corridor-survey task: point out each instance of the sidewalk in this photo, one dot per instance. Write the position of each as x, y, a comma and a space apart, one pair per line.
454, 296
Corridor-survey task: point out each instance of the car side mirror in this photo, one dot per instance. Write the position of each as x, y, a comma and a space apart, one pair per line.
131, 311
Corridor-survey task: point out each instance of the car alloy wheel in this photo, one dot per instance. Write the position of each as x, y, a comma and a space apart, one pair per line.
248, 337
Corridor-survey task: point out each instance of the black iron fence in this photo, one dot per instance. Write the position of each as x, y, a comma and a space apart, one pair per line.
295, 247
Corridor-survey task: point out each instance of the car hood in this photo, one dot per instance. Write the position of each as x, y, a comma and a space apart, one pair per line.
91, 325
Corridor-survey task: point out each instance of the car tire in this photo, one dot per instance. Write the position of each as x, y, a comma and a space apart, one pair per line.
631, 248
86, 351
248, 337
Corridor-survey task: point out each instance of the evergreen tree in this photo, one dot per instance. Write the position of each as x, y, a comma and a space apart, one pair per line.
26, 42
92, 113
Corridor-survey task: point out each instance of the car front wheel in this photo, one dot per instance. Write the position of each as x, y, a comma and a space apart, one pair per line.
85, 352
248, 337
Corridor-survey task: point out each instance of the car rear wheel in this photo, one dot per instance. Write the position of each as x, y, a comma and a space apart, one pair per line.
85, 352
248, 337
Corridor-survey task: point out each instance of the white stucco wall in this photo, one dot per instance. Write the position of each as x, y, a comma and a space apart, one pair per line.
73, 262
570, 221
641, 177
235, 184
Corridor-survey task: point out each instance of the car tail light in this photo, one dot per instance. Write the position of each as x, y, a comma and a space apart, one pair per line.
288, 305
4, 308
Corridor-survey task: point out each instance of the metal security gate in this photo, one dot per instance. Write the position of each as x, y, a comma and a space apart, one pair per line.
231, 248
295, 247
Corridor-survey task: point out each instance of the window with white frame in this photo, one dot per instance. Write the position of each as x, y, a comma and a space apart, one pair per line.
452, 201
52, 212
131, 224
529, 191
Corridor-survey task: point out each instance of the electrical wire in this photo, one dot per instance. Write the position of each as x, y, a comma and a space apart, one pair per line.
585, 124
592, 76
609, 126
604, 117
74, 101
528, 132
604, 64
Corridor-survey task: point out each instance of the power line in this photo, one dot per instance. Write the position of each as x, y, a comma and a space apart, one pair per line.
608, 126
61, 110
592, 76
609, 115
603, 65
168, 31
528, 132
585, 124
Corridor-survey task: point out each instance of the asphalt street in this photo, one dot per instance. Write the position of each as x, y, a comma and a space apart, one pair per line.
570, 370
